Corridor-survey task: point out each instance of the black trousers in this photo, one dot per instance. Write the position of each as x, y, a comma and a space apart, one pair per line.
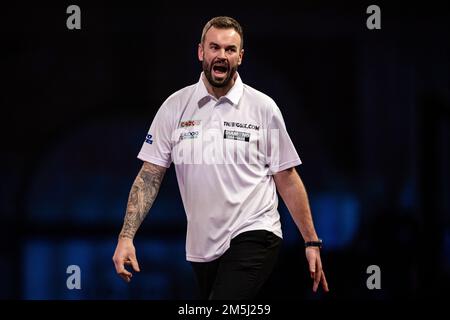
242, 270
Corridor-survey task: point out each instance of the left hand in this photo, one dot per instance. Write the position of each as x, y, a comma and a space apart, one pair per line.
315, 268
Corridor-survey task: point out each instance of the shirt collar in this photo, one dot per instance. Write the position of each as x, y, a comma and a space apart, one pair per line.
233, 96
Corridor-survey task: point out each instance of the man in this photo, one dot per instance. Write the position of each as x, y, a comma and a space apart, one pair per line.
232, 153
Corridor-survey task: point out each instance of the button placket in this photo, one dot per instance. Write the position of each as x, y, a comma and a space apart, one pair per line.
215, 118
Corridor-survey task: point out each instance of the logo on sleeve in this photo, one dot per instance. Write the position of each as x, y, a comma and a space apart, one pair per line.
149, 139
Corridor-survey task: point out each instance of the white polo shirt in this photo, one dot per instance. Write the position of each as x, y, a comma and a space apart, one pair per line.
225, 152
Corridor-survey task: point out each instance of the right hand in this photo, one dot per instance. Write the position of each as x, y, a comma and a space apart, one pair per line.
125, 254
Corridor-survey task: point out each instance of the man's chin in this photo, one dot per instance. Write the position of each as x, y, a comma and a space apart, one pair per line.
219, 84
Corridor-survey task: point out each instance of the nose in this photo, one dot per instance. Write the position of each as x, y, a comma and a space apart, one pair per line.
221, 54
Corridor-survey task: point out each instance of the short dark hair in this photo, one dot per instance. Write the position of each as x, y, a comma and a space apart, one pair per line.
223, 22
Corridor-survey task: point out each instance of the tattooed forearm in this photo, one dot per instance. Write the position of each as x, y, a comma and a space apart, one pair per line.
142, 195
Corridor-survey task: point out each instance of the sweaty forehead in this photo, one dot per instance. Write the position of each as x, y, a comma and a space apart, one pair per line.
223, 36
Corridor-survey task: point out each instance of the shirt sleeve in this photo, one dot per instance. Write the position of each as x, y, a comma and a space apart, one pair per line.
157, 147
281, 153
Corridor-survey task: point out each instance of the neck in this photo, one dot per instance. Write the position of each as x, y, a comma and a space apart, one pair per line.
219, 92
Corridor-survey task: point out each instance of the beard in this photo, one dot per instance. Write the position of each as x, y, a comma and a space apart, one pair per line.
218, 83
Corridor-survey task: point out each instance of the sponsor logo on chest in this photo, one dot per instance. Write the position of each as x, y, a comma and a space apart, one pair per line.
189, 123
241, 125
189, 135
236, 135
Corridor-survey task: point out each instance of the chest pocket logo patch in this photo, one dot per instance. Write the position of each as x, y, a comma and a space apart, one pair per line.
189, 135
236, 135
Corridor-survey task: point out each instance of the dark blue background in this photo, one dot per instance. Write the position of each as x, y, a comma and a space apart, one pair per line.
367, 109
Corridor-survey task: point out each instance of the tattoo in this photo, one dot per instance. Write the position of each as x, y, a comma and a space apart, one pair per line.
142, 195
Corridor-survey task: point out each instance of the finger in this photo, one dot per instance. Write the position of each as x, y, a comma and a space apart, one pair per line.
124, 273
312, 267
120, 268
317, 277
125, 277
119, 265
316, 281
324, 282
135, 264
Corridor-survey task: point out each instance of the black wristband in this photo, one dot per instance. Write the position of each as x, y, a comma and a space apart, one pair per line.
318, 244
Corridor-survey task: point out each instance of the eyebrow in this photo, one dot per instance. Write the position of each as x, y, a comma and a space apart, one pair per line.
228, 47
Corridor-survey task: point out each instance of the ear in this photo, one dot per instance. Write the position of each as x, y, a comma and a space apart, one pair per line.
241, 55
200, 52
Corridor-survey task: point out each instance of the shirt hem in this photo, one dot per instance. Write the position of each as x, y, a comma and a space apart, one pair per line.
192, 258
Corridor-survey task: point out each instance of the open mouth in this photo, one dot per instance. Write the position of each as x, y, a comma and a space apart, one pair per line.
220, 69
